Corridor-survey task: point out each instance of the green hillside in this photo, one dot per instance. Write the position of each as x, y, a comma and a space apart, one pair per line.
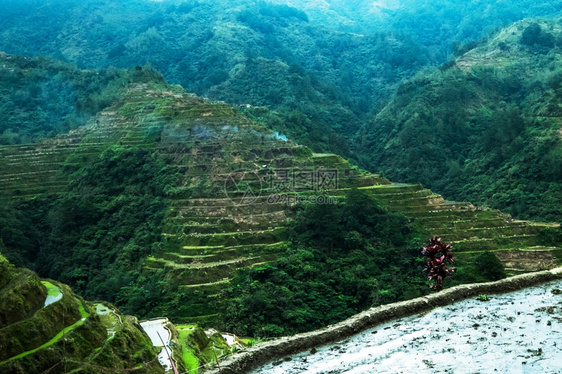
322, 66
45, 327
314, 71
163, 198
240, 52
197, 160
484, 127
41, 97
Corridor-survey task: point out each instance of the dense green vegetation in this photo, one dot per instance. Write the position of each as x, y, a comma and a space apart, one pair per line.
41, 97
473, 130
476, 130
324, 68
246, 56
95, 236
445, 26
475, 268
21, 293
344, 258
18, 237
315, 74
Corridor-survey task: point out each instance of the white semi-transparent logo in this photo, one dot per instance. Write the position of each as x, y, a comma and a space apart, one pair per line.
282, 186
243, 187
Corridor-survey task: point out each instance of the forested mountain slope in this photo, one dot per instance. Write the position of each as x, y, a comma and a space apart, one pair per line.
485, 127
132, 190
439, 26
42, 97
148, 206
322, 79
322, 65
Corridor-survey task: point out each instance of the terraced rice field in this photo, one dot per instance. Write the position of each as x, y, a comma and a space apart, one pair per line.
239, 181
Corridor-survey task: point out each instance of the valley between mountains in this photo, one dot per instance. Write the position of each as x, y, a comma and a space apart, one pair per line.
210, 186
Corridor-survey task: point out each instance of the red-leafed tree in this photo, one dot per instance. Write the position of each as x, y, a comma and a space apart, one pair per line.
438, 255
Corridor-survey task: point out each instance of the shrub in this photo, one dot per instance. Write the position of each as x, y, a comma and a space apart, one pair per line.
535, 38
488, 266
438, 255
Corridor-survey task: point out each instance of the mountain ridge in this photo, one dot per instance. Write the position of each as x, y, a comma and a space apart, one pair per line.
340, 70
475, 129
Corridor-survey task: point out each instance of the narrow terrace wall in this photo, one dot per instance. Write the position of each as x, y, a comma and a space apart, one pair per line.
275, 349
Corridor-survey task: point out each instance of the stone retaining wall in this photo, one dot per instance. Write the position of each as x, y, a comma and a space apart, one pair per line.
263, 353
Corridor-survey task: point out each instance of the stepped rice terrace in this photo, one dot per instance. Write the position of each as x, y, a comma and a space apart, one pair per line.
148, 229
209, 233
